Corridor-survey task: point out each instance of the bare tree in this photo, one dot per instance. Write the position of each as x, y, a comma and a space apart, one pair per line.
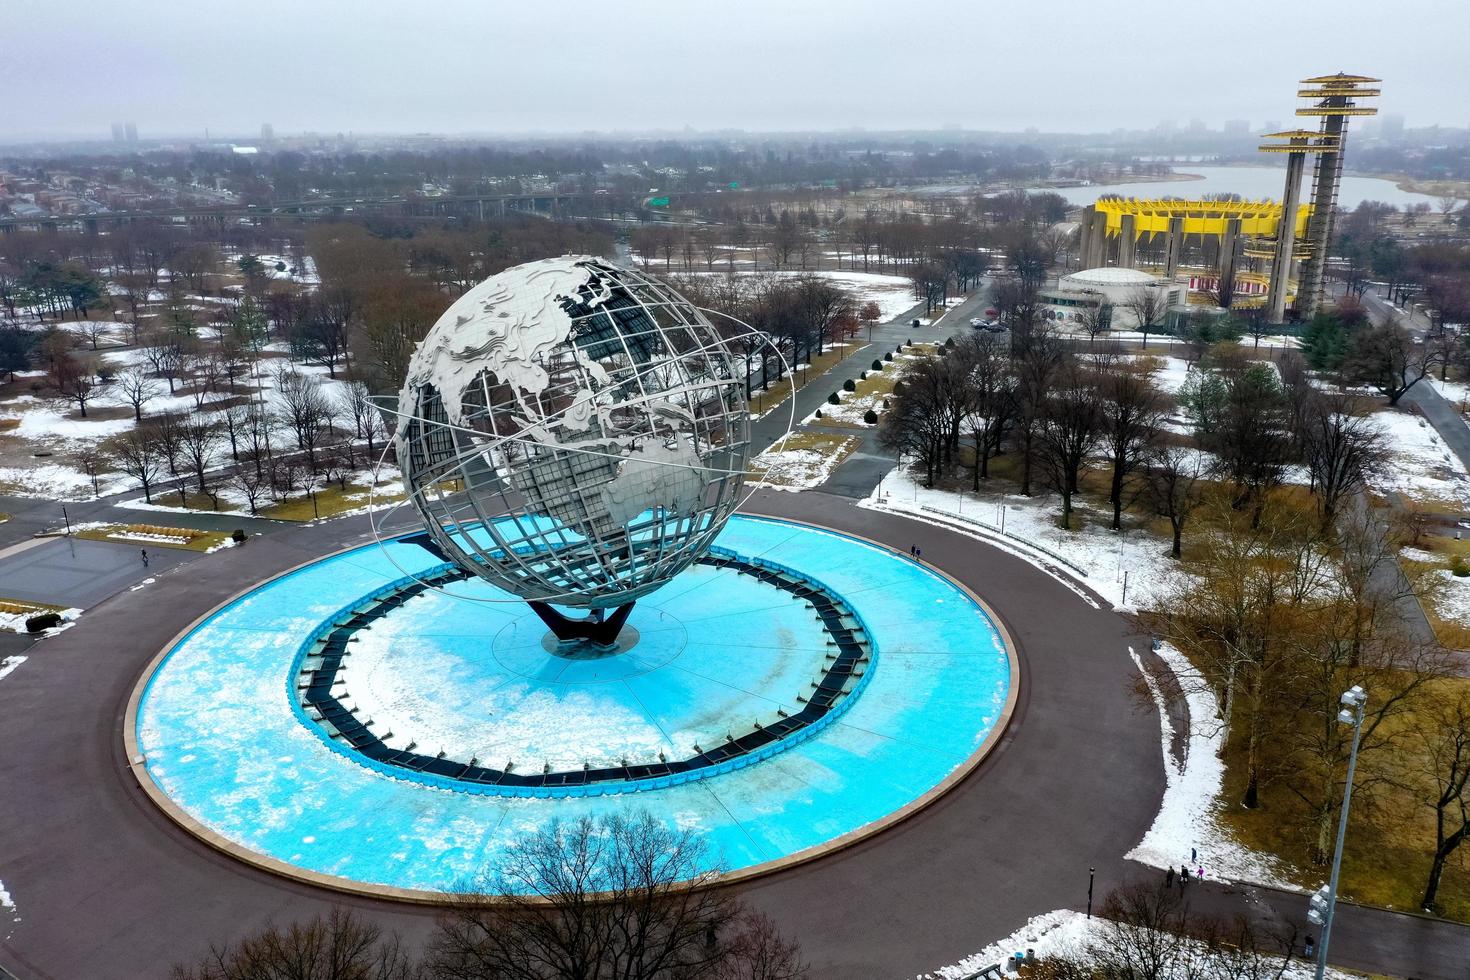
989, 397
139, 454
1174, 480
367, 419
137, 389
1148, 307
305, 409
338, 946
1071, 425
75, 376
1133, 408
1148, 932
1443, 775
91, 331
250, 483
920, 420
1095, 320
1038, 354
199, 441
618, 897
1342, 448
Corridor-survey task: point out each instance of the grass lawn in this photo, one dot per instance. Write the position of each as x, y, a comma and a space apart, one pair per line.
802, 459
329, 503
25, 607
1424, 573
1387, 853
156, 536
189, 500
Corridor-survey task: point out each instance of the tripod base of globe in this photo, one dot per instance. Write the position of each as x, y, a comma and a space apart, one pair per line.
595, 630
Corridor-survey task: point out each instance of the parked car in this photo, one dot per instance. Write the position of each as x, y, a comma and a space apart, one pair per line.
976, 321
994, 326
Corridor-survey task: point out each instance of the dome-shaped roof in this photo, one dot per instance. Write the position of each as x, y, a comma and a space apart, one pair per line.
1110, 276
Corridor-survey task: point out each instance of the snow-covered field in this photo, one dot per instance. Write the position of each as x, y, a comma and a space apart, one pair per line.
1101, 556
801, 468
893, 294
1423, 467
1188, 822
55, 425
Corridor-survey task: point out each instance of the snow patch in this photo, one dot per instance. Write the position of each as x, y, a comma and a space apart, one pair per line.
1189, 817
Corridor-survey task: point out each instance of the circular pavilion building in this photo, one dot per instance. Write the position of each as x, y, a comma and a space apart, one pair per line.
1112, 289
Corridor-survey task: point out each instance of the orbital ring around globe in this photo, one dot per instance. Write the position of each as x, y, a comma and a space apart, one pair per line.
585, 627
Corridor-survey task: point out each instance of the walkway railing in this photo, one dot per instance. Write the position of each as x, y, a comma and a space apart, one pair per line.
995, 529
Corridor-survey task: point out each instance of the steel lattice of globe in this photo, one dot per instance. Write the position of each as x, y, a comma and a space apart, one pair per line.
573, 432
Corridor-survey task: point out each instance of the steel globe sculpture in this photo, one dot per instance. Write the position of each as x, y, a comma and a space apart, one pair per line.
575, 433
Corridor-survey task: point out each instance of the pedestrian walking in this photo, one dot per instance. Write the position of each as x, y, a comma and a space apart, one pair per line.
1169, 877
1183, 876
145, 556
919, 553
913, 550
1310, 947
1194, 855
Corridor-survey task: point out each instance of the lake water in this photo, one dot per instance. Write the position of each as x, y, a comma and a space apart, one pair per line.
1251, 183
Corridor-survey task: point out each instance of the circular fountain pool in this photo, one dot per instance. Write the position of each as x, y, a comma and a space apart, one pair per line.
375, 721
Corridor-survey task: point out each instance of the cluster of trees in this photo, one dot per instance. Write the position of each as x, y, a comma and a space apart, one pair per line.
262, 451
1436, 273
621, 897
1064, 409
872, 241
380, 289
776, 322
383, 292
1286, 615
1386, 355
1289, 603
619, 169
1148, 931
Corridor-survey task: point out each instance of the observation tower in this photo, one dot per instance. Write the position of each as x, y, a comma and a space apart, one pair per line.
1332, 98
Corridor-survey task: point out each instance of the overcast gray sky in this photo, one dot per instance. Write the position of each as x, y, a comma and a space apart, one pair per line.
71, 69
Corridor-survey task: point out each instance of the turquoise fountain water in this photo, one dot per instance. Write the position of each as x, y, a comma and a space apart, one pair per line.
465, 673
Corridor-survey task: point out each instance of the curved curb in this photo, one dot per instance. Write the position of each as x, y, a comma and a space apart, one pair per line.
137, 763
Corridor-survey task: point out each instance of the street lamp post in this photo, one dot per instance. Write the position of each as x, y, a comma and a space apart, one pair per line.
1091, 874
1323, 905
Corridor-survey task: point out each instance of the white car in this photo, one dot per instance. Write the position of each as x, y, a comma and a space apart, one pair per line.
976, 321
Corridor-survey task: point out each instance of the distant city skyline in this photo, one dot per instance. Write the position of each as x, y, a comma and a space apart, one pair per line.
459, 68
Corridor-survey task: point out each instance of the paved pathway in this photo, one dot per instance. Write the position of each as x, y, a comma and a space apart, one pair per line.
71, 571
1443, 416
